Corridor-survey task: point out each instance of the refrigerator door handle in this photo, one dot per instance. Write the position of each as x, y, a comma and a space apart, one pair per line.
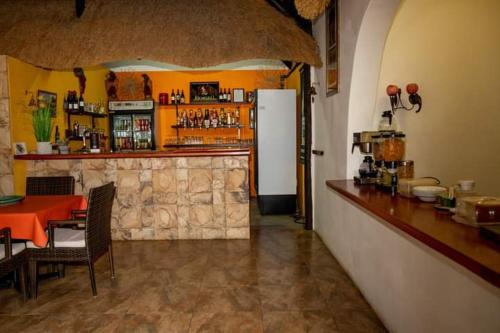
318, 152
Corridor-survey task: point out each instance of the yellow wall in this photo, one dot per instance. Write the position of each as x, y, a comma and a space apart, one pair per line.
293, 82
24, 77
451, 49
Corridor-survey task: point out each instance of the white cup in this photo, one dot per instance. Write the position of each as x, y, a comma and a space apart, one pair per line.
466, 185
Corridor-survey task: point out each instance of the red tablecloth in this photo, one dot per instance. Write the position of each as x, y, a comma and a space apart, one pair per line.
29, 218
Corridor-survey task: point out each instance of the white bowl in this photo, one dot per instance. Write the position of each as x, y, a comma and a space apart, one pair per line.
428, 193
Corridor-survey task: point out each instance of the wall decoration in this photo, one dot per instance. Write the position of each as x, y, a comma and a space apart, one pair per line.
20, 148
111, 85
50, 99
204, 92
238, 95
332, 49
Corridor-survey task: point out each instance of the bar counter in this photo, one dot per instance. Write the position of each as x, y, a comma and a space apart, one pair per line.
179, 152
172, 194
462, 244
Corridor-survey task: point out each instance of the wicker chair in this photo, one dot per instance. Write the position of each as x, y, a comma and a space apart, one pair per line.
12, 258
50, 185
79, 246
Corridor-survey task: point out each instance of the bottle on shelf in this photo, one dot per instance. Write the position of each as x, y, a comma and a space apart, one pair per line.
191, 118
228, 96
206, 120
81, 104
237, 115
57, 136
177, 97
172, 97
183, 98
224, 96
75, 102
220, 95
199, 118
251, 118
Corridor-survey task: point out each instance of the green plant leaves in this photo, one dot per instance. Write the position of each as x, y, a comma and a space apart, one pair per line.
42, 124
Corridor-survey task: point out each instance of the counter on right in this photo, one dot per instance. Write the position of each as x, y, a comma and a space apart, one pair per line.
419, 270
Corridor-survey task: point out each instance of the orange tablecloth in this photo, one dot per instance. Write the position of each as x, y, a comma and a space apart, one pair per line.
29, 218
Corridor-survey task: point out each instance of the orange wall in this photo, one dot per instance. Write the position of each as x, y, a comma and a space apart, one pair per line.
131, 87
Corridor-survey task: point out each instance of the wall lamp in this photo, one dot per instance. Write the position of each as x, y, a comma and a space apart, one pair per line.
394, 93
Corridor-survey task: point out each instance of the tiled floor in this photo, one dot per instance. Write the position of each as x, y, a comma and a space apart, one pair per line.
282, 280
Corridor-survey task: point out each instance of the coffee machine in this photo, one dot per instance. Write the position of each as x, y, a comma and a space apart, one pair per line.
367, 171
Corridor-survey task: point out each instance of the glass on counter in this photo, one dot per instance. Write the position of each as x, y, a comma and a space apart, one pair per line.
406, 169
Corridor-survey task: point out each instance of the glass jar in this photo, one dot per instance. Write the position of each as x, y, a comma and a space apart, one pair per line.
394, 146
377, 146
406, 169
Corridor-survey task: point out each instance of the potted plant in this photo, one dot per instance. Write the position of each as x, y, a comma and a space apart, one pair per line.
42, 126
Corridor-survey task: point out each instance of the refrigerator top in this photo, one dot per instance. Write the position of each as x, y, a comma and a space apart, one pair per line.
131, 105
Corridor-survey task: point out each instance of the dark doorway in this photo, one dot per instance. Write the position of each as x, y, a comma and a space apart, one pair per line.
305, 87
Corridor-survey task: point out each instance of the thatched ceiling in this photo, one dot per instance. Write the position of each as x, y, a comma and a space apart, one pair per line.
196, 33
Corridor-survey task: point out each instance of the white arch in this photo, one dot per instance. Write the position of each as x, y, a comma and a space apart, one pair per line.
370, 45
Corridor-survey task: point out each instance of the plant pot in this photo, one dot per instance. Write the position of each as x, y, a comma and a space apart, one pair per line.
44, 148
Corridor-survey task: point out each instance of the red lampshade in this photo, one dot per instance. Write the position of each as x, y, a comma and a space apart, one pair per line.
392, 90
412, 88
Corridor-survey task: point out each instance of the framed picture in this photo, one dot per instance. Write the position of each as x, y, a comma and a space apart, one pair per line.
238, 95
20, 148
50, 99
332, 48
204, 92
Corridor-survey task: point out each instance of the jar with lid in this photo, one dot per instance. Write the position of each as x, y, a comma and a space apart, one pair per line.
388, 122
394, 146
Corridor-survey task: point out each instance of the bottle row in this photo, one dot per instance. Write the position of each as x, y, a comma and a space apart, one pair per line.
224, 96
74, 104
210, 119
80, 130
139, 125
175, 98
128, 143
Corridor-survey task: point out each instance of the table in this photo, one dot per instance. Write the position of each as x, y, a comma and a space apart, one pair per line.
29, 218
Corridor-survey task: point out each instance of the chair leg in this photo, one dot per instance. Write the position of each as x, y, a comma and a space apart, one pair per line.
22, 280
33, 275
111, 262
92, 278
61, 270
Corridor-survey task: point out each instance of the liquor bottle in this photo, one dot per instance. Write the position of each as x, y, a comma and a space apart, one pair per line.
215, 119
75, 102
81, 104
183, 99
220, 95
228, 95
69, 106
222, 117
57, 135
224, 96
237, 115
191, 118
178, 97
206, 120
228, 119
252, 118
172, 97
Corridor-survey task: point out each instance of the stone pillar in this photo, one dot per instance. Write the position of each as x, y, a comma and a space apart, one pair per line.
6, 169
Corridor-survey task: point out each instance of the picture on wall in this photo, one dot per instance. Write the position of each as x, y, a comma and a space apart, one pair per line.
332, 49
50, 99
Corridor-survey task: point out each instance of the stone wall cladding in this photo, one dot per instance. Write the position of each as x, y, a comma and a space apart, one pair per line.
166, 198
6, 169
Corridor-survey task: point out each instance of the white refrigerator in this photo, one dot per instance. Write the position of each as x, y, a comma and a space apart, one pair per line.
275, 151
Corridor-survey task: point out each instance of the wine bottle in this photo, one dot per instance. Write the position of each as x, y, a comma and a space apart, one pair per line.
81, 104
172, 97
75, 102
57, 135
183, 99
224, 96
206, 121
228, 95
69, 102
177, 97
220, 95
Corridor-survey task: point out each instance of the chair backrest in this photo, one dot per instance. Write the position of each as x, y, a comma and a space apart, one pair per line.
50, 185
98, 222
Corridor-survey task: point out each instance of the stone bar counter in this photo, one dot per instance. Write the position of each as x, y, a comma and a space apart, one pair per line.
177, 194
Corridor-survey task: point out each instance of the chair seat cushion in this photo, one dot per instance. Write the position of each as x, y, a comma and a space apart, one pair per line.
16, 248
64, 237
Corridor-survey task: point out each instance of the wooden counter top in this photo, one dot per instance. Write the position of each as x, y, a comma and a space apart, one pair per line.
191, 152
422, 221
